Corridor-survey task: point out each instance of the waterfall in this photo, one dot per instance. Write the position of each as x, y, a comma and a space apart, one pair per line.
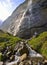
17, 29
19, 23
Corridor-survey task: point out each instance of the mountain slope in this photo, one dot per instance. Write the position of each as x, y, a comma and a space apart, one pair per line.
7, 40
8, 44
1, 22
28, 18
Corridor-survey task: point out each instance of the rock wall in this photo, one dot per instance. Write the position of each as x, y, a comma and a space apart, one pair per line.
28, 18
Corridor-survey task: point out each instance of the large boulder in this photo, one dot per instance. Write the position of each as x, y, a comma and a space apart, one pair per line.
23, 57
28, 18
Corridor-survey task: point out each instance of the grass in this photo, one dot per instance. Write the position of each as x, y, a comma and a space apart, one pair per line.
40, 44
7, 40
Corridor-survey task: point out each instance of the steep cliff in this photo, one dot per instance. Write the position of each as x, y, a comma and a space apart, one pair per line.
28, 18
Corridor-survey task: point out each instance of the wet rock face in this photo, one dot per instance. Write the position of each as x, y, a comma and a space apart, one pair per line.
35, 19
28, 18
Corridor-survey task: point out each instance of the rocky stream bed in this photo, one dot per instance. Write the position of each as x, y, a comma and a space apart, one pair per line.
23, 54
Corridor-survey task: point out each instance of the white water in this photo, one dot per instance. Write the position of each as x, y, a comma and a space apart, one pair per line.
14, 62
17, 29
32, 53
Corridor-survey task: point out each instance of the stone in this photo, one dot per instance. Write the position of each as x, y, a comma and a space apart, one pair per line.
28, 18
27, 62
45, 62
1, 63
21, 63
12, 58
8, 54
30, 62
22, 48
23, 57
12, 63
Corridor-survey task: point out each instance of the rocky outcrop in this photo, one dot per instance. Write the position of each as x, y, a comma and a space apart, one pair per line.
24, 55
25, 58
28, 18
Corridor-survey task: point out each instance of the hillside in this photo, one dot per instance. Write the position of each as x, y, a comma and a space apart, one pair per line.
7, 40
39, 43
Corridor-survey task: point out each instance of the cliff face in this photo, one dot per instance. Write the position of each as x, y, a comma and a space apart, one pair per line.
28, 18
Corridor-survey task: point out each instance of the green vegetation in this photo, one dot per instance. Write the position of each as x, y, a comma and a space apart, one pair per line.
44, 50
7, 40
40, 44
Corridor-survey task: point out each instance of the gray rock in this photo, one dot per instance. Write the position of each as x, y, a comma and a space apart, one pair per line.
28, 18
26, 62
1, 63
21, 63
12, 63
22, 49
